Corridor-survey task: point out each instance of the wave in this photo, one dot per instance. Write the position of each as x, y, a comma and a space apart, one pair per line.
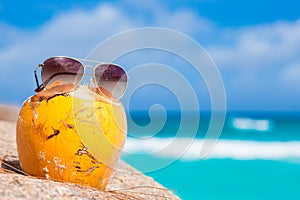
261, 125
188, 149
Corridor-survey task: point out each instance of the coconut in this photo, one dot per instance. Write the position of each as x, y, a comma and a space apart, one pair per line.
72, 137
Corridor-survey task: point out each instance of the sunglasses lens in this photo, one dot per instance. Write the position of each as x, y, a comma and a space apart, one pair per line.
111, 80
60, 74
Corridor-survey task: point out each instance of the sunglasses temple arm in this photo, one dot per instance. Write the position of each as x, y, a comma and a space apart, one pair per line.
36, 78
42, 86
39, 87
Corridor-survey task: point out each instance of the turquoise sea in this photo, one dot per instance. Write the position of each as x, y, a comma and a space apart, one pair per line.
256, 157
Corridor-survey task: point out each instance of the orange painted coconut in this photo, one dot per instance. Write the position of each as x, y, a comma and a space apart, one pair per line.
74, 137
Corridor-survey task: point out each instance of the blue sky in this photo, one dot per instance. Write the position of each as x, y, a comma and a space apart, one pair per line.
255, 44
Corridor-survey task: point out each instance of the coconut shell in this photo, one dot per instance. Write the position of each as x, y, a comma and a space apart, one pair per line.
73, 137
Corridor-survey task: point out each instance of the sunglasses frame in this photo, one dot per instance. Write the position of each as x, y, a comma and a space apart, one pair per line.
42, 86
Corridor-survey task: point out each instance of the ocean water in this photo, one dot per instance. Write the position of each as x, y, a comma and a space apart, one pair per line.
256, 157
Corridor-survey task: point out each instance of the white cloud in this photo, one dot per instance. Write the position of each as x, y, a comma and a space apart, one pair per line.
291, 75
9, 35
71, 33
261, 63
186, 21
259, 46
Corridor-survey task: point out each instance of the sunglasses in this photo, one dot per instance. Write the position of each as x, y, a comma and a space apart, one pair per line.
63, 74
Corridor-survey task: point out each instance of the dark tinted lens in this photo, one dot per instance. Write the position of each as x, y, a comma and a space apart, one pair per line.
111, 80
60, 74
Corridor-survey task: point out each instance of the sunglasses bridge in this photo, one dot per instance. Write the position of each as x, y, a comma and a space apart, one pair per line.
89, 74
89, 67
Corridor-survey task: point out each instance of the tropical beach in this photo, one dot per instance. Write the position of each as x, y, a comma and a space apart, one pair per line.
209, 88
263, 167
128, 183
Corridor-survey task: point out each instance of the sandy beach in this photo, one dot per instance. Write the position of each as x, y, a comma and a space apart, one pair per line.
8, 112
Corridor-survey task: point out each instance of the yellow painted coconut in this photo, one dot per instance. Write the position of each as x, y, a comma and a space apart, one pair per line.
73, 137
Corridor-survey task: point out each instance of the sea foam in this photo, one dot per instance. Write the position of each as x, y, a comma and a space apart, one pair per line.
249, 124
188, 149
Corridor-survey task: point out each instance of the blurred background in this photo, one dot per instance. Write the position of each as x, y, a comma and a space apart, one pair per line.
255, 45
